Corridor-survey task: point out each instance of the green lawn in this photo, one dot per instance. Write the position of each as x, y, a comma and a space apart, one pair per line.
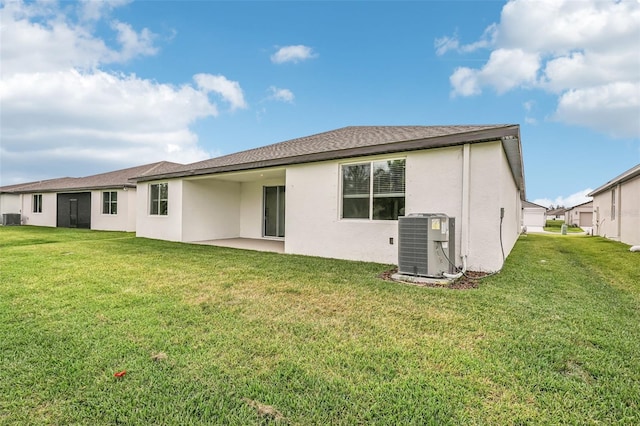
211, 335
556, 226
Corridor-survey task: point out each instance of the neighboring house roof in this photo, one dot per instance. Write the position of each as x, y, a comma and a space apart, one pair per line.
556, 212
115, 179
529, 204
580, 205
628, 175
357, 141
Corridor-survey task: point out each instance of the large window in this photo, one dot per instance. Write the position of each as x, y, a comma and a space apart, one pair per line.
110, 202
159, 199
373, 190
37, 203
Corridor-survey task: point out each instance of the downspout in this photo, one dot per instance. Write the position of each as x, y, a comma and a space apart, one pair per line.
619, 211
466, 191
465, 219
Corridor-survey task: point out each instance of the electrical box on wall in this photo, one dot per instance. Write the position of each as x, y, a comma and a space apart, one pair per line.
426, 244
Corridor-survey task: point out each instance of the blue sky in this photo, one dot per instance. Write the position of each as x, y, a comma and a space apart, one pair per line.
90, 87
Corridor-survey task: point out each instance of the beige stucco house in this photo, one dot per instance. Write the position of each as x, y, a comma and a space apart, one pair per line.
339, 194
580, 215
616, 208
533, 215
105, 201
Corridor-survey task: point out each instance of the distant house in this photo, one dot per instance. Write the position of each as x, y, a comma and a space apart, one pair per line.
533, 215
339, 194
105, 201
556, 214
580, 215
616, 207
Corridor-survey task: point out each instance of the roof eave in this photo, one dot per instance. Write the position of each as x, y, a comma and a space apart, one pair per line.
624, 177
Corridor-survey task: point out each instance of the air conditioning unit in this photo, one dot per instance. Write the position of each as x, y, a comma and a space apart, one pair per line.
10, 219
426, 245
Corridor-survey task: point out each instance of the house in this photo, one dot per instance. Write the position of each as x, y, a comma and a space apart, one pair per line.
339, 194
533, 215
105, 201
616, 208
556, 214
580, 215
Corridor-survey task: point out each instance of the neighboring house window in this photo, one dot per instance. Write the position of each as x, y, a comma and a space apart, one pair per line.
37, 203
159, 199
110, 202
613, 204
373, 190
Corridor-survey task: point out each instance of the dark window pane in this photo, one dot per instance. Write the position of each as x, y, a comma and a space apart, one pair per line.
355, 208
388, 208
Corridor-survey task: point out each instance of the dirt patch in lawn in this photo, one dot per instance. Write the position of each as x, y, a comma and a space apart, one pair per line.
470, 279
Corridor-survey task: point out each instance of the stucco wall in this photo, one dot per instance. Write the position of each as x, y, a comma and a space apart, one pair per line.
434, 184
167, 227
491, 188
630, 212
48, 216
211, 210
10, 203
625, 225
124, 220
313, 225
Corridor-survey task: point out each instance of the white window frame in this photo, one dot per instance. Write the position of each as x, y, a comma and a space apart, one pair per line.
159, 211
110, 202
371, 195
37, 203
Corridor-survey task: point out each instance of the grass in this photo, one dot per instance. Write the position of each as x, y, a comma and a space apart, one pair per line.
212, 335
556, 226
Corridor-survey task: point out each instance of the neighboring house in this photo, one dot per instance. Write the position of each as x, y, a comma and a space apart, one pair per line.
533, 215
580, 215
556, 214
339, 194
616, 207
105, 201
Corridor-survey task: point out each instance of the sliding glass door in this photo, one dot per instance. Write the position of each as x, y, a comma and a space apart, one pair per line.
273, 211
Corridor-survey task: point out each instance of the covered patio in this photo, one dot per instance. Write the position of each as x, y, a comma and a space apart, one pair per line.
257, 244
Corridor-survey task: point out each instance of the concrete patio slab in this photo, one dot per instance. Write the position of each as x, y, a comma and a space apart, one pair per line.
274, 246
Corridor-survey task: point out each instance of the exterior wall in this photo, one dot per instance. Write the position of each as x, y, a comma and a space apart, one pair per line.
211, 209
49, 210
10, 203
624, 225
630, 212
434, 184
534, 216
491, 188
573, 215
251, 206
125, 220
167, 227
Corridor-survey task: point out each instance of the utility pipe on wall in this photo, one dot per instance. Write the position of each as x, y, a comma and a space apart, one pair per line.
466, 191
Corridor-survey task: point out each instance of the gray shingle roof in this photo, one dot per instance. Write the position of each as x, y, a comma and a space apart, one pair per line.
115, 179
357, 141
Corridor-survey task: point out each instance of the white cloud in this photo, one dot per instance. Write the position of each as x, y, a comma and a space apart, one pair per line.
566, 201
585, 52
133, 43
505, 70
293, 54
62, 114
612, 108
284, 95
229, 90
